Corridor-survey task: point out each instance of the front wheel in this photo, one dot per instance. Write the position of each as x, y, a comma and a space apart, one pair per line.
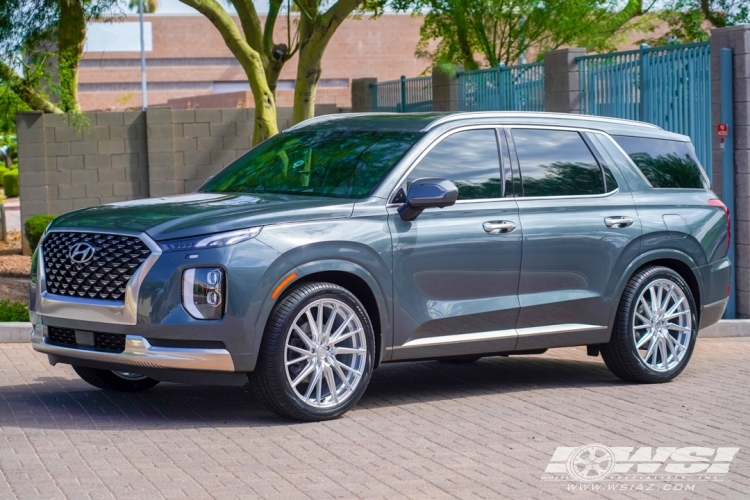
317, 353
655, 329
115, 381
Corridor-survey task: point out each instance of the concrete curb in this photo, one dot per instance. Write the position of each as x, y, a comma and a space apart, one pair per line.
21, 332
727, 328
15, 332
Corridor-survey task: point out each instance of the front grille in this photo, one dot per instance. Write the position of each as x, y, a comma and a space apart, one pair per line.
61, 336
112, 342
187, 344
105, 276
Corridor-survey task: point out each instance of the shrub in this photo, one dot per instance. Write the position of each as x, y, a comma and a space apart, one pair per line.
34, 228
3, 171
10, 183
13, 311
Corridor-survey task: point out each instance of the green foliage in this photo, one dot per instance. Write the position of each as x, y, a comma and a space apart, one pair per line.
10, 183
511, 31
691, 20
3, 171
34, 228
13, 311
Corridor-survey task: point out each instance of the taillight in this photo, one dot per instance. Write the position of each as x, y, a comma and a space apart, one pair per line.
718, 203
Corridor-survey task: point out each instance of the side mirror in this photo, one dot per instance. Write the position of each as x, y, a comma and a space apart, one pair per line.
427, 193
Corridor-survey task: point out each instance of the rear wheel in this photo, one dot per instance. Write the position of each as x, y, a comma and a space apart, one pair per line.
655, 328
115, 381
317, 353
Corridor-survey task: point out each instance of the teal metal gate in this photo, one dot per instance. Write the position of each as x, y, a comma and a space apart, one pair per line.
502, 88
668, 86
406, 95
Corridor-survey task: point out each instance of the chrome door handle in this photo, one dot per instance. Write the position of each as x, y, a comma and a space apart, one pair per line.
618, 221
498, 226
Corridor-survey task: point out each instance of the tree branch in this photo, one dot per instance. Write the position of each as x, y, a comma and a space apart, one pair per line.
719, 20
18, 86
250, 22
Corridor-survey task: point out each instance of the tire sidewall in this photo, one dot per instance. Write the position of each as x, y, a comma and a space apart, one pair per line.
646, 280
279, 366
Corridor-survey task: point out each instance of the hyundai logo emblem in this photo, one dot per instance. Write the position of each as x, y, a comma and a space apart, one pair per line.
80, 253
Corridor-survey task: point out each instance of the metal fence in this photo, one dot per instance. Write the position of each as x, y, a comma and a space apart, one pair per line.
502, 88
406, 95
668, 86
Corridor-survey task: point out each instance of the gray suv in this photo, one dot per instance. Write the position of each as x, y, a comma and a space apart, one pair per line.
354, 240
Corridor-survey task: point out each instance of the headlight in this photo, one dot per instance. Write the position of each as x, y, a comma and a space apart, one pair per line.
211, 241
203, 292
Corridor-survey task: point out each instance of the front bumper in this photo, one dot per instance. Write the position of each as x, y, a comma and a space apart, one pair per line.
139, 353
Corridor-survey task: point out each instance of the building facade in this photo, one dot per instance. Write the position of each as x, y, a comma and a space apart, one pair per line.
186, 58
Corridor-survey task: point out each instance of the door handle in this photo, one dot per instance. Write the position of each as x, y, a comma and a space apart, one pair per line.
618, 221
498, 226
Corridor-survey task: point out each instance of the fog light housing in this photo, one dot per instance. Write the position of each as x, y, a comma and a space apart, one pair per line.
203, 292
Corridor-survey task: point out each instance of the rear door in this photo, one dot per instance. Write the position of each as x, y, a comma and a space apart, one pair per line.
580, 232
455, 278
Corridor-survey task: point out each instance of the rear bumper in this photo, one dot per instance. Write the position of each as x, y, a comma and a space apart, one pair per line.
712, 313
139, 353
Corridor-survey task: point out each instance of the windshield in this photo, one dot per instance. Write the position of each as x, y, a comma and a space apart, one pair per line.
327, 163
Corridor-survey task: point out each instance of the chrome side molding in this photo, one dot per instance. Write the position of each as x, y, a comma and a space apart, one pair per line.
500, 334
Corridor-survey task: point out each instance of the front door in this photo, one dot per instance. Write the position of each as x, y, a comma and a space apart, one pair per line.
456, 270
581, 230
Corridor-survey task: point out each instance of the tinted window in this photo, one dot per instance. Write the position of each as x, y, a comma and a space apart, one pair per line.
556, 163
469, 159
666, 164
318, 163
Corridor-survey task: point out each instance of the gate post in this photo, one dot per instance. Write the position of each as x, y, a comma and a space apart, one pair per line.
737, 149
445, 90
363, 95
561, 86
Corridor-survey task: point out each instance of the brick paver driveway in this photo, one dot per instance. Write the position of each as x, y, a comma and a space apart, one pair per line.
425, 430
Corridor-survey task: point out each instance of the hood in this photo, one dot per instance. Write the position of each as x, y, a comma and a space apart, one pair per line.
195, 214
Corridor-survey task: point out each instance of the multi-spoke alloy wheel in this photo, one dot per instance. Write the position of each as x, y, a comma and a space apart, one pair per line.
326, 353
655, 328
662, 325
317, 353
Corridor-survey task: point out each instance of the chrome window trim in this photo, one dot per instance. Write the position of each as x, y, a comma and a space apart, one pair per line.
94, 310
532, 331
139, 353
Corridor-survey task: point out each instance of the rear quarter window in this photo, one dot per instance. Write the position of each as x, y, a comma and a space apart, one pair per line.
665, 163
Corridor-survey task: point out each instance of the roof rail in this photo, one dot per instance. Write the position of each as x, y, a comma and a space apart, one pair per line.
529, 114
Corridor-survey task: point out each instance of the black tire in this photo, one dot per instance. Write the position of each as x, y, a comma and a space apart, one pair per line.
460, 360
111, 381
270, 379
620, 354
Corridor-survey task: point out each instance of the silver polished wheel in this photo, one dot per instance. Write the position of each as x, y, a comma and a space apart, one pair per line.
325, 353
662, 325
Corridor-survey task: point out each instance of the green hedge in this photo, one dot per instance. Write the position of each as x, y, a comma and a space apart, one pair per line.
13, 311
10, 184
3, 171
34, 228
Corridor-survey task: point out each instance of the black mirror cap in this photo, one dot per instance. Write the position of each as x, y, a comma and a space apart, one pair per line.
427, 193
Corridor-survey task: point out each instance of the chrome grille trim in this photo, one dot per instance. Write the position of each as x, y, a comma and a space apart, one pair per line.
122, 312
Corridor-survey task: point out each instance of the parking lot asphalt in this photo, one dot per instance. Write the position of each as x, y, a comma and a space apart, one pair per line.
422, 430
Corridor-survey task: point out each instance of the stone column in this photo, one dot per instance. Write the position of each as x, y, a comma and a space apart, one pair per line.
444, 91
362, 94
561, 90
736, 38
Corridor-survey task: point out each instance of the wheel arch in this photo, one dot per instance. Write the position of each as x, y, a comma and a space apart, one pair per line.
349, 275
679, 262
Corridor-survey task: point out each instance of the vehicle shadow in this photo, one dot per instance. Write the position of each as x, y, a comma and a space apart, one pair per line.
50, 402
